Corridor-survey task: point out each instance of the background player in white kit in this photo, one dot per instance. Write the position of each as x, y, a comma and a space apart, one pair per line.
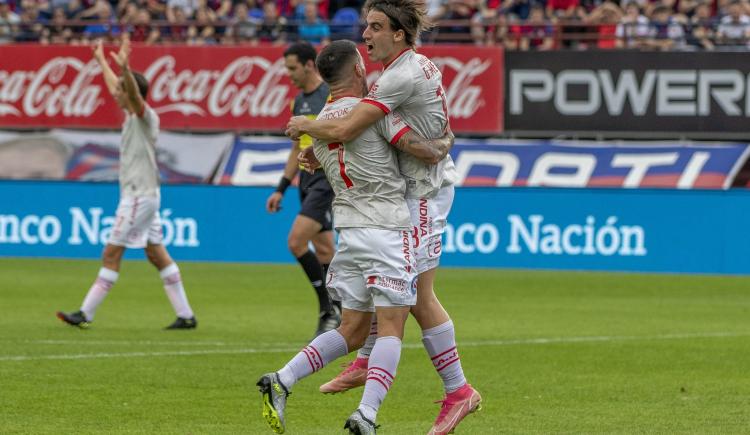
413, 84
373, 268
137, 222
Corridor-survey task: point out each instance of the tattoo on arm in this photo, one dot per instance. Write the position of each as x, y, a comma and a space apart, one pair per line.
430, 151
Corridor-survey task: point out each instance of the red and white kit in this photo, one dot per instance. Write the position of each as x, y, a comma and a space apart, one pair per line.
413, 84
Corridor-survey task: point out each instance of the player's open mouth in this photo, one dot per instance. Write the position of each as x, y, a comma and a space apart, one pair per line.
369, 48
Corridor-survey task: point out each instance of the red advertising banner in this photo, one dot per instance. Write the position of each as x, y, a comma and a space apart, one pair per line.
214, 88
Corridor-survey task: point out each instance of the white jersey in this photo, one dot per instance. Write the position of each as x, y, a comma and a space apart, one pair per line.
139, 174
414, 85
364, 173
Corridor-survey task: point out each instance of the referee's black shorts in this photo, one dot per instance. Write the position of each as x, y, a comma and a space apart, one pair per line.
316, 197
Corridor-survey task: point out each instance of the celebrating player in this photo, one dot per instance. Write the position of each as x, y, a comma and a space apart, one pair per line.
137, 222
313, 223
373, 268
411, 83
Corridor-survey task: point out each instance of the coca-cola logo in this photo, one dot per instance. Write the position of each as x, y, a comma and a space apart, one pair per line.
464, 97
60, 86
229, 91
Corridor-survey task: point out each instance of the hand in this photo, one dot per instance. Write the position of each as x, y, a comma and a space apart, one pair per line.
99, 51
273, 204
307, 159
123, 55
294, 127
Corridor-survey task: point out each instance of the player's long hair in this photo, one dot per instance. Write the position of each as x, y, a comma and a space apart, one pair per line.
407, 15
142, 83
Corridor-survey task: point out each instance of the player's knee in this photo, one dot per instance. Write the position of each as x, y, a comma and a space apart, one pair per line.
297, 246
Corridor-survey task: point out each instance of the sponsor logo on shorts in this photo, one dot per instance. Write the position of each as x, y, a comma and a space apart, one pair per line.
395, 284
406, 249
425, 220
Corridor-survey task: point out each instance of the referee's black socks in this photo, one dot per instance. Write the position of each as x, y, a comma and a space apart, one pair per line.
314, 272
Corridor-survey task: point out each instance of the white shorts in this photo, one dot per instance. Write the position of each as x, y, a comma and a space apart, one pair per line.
137, 222
373, 268
429, 217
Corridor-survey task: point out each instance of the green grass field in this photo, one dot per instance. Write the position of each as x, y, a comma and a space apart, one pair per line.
551, 352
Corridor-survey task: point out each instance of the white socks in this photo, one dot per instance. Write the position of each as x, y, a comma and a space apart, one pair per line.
313, 357
170, 275
440, 343
366, 349
381, 371
98, 291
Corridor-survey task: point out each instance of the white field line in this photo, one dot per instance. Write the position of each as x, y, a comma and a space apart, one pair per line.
288, 348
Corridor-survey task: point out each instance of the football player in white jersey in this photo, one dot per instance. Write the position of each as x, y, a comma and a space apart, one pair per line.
137, 222
412, 83
373, 268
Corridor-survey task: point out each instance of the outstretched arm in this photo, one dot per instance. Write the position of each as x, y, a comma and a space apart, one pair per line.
122, 57
430, 151
343, 129
110, 78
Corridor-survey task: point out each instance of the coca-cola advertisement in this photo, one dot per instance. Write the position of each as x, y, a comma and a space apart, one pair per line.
214, 88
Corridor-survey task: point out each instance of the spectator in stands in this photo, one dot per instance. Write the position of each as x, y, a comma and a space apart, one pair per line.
536, 33
312, 29
31, 24
734, 29
664, 32
484, 23
188, 8
220, 9
178, 24
335, 5
518, 10
273, 28
202, 31
157, 9
142, 29
602, 23
455, 25
9, 22
127, 12
633, 28
58, 31
242, 27
702, 34
101, 14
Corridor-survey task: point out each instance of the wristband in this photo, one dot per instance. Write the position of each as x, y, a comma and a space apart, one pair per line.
283, 184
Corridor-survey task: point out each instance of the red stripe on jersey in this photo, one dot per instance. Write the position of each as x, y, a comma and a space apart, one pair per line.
398, 135
342, 169
377, 104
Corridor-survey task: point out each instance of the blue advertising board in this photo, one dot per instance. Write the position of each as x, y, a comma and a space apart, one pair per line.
693, 231
260, 161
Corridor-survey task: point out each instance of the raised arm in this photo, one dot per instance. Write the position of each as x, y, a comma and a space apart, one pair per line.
134, 98
430, 151
343, 129
110, 78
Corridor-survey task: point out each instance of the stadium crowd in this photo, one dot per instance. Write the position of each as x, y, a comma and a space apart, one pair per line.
515, 24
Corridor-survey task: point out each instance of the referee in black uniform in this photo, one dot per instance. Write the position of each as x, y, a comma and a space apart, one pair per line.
313, 223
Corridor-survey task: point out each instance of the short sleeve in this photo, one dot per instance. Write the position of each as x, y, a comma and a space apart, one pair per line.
390, 90
392, 127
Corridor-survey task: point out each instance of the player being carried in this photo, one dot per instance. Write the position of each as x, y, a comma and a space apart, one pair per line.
137, 222
411, 83
373, 268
